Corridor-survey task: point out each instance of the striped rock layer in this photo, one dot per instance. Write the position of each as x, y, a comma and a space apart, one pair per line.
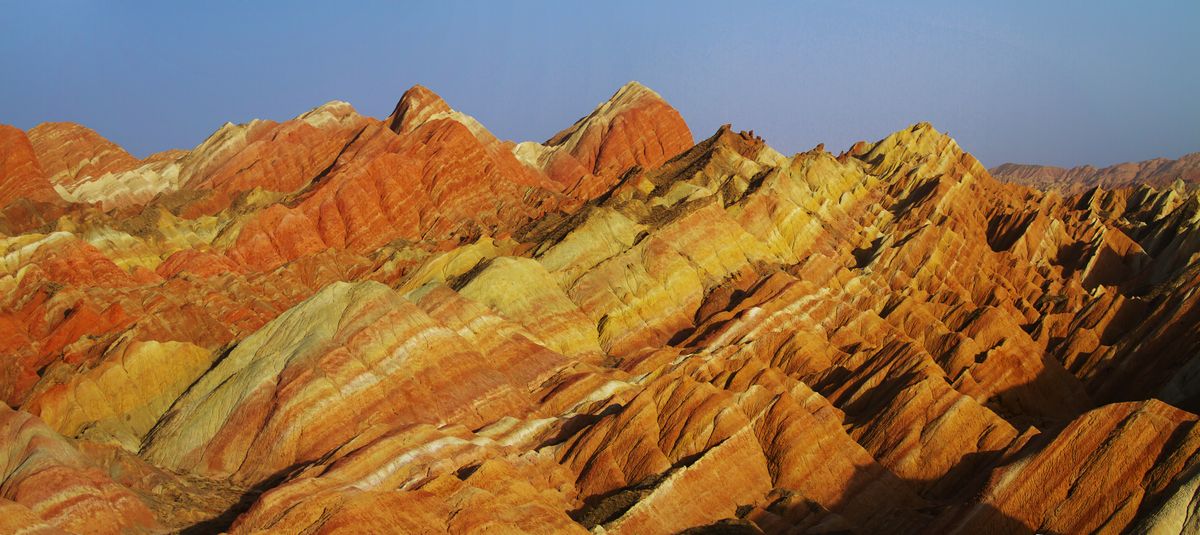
339, 324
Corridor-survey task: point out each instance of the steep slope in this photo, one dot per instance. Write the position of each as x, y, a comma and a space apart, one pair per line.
72, 153
635, 127
45, 480
21, 174
1133, 451
438, 178
337, 323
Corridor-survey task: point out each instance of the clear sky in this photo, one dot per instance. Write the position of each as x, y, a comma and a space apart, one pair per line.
1061, 83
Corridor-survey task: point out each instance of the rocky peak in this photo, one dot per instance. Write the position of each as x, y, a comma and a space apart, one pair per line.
334, 112
920, 146
627, 99
71, 153
21, 175
634, 127
417, 106
318, 328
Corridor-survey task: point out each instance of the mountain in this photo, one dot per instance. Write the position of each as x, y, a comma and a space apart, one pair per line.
340, 323
1159, 172
635, 127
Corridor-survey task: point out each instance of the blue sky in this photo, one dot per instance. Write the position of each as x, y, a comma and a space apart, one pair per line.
1061, 83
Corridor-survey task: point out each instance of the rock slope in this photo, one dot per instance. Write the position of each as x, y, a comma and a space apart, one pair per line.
337, 323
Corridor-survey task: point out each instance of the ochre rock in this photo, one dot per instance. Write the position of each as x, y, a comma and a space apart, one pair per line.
257, 411
21, 173
72, 153
1120, 456
522, 290
336, 323
635, 127
45, 478
122, 398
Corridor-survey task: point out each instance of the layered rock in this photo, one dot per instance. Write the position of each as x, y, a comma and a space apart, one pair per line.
635, 127
48, 483
337, 323
123, 398
71, 153
21, 173
284, 395
1135, 452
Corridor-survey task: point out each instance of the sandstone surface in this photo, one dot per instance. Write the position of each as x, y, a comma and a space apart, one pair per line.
343, 324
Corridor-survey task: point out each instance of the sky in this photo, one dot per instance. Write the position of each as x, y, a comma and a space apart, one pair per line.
1058, 83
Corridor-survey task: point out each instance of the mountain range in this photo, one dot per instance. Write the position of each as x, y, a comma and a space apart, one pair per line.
1159, 172
341, 324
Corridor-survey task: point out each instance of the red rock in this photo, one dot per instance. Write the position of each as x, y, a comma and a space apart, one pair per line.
336, 323
635, 127
72, 153
271, 157
58, 485
21, 174
439, 178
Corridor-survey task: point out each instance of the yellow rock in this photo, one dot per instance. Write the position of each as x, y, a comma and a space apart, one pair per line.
523, 291
121, 399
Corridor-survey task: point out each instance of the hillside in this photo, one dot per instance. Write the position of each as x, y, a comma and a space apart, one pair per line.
338, 323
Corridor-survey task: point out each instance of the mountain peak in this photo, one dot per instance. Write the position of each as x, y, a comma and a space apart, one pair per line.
417, 106
634, 127
420, 105
333, 112
633, 90
745, 143
633, 85
630, 96
70, 153
617, 332
21, 174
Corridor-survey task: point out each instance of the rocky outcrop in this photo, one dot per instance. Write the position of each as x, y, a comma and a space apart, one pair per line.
1134, 452
72, 153
48, 484
21, 174
337, 323
635, 127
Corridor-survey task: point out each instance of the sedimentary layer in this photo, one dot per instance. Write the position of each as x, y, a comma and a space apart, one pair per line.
337, 323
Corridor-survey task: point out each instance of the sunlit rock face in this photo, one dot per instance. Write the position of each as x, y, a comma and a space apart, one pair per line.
635, 127
337, 323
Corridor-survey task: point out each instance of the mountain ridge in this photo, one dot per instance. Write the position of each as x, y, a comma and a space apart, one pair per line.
341, 323
1158, 172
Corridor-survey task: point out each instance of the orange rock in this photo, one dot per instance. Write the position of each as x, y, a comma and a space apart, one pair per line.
635, 127
336, 323
443, 175
72, 153
21, 174
1092, 477
56, 484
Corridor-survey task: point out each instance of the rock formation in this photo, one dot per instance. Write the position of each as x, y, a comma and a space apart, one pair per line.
1159, 172
337, 323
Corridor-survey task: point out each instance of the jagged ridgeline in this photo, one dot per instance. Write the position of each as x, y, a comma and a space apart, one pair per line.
339, 323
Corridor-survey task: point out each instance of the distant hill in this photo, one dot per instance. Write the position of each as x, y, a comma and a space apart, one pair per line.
1157, 172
